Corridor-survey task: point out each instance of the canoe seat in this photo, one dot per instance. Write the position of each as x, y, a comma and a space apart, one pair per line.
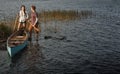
18, 38
13, 43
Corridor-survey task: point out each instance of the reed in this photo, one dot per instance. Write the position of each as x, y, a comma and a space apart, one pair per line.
63, 15
5, 30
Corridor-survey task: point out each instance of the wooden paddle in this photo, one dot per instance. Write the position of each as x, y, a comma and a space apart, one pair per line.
15, 23
34, 27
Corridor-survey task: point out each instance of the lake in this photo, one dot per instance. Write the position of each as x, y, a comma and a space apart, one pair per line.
86, 45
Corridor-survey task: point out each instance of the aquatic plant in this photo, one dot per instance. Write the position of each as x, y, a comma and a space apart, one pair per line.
63, 15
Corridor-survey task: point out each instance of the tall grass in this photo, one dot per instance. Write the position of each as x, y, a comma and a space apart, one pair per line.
5, 30
63, 15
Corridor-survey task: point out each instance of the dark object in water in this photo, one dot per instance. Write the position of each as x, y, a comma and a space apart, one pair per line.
118, 23
56, 38
60, 38
47, 37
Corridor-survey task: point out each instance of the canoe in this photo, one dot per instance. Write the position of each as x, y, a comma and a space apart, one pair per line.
16, 42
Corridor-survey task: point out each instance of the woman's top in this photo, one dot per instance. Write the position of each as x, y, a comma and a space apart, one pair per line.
34, 18
22, 16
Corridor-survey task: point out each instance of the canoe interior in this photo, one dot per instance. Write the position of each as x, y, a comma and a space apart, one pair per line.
17, 39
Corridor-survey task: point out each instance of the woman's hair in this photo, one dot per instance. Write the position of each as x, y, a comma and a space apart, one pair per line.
24, 8
33, 7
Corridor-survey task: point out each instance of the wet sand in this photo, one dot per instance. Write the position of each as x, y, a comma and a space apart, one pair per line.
83, 46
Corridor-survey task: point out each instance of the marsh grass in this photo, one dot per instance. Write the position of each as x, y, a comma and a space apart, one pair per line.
63, 15
55, 16
5, 30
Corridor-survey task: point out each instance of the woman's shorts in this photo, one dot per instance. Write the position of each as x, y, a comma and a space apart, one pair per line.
23, 22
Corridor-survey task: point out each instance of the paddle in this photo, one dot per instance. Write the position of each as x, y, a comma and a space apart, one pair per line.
34, 27
15, 23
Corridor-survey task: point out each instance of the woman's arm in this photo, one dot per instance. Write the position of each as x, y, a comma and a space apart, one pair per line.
36, 21
20, 15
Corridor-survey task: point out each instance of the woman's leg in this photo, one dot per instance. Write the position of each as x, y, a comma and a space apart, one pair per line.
30, 31
23, 25
36, 33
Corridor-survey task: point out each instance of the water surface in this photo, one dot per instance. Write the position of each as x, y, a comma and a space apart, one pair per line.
85, 46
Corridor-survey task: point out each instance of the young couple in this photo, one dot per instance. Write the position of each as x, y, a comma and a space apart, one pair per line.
23, 18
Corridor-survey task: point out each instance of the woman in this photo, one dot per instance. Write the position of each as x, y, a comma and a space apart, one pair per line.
34, 22
23, 16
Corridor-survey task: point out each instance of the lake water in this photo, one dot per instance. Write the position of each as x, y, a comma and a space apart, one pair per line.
85, 46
